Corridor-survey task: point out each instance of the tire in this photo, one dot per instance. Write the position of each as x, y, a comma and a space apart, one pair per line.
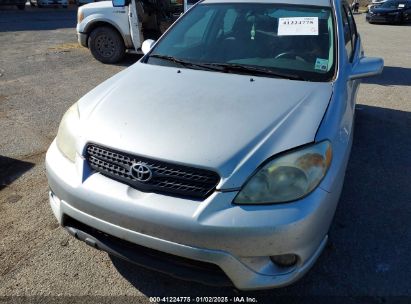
106, 45
21, 7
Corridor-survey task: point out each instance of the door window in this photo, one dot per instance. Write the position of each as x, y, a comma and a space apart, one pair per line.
350, 30
353, 26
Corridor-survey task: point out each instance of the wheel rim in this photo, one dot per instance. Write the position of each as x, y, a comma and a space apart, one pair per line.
105, 45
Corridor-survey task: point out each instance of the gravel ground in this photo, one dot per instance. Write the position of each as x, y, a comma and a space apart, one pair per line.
43, 71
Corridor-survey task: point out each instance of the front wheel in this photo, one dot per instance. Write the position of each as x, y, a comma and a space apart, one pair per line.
106, 45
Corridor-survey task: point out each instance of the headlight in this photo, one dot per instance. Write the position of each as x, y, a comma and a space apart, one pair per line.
288, 177
66, 135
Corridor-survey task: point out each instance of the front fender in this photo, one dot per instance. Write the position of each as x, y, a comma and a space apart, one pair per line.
91, 22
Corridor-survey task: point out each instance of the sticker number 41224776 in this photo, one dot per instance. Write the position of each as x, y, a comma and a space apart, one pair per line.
298, 26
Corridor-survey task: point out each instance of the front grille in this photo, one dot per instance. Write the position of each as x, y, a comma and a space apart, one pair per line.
166, 178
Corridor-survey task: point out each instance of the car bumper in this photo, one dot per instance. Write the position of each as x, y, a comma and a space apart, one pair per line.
238, 239
82, 39
381, 19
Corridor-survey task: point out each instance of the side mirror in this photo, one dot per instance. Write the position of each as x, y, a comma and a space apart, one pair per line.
367, 67
119, 3
147, 45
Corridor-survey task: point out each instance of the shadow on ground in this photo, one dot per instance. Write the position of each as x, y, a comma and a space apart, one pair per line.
11, 169
369, 238
392, 76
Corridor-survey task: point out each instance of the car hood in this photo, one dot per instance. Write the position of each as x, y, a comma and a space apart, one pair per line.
95, 7
223, 122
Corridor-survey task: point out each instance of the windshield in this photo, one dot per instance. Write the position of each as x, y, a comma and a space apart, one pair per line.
273, 40
394, 4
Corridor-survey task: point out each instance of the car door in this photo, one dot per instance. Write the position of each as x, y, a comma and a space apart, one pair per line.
134, 25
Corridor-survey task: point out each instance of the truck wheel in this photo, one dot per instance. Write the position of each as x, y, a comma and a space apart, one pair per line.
21, 7
106, 45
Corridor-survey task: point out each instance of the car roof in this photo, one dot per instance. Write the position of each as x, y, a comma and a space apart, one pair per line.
325, 3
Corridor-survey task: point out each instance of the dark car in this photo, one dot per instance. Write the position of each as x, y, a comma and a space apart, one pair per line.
393, 11
21, 4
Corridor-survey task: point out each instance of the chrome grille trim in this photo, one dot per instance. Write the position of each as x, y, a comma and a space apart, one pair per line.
168, 178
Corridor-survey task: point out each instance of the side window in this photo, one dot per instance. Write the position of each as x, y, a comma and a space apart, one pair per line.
353, 26
350, 30
347, 32
197, 31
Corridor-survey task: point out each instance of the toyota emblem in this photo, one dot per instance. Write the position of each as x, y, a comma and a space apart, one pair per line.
141, 172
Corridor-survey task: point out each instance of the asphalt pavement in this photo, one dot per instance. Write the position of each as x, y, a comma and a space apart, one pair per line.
43, 71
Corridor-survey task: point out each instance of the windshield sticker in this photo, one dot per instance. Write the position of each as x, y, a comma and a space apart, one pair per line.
298, 26
321, 64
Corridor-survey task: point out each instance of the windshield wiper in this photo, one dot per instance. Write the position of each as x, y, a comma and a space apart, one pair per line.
228, 67
254, 70
187, 63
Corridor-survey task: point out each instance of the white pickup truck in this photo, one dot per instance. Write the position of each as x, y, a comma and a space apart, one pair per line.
112, 28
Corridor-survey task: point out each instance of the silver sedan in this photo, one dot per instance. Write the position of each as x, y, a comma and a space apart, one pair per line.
220, 156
